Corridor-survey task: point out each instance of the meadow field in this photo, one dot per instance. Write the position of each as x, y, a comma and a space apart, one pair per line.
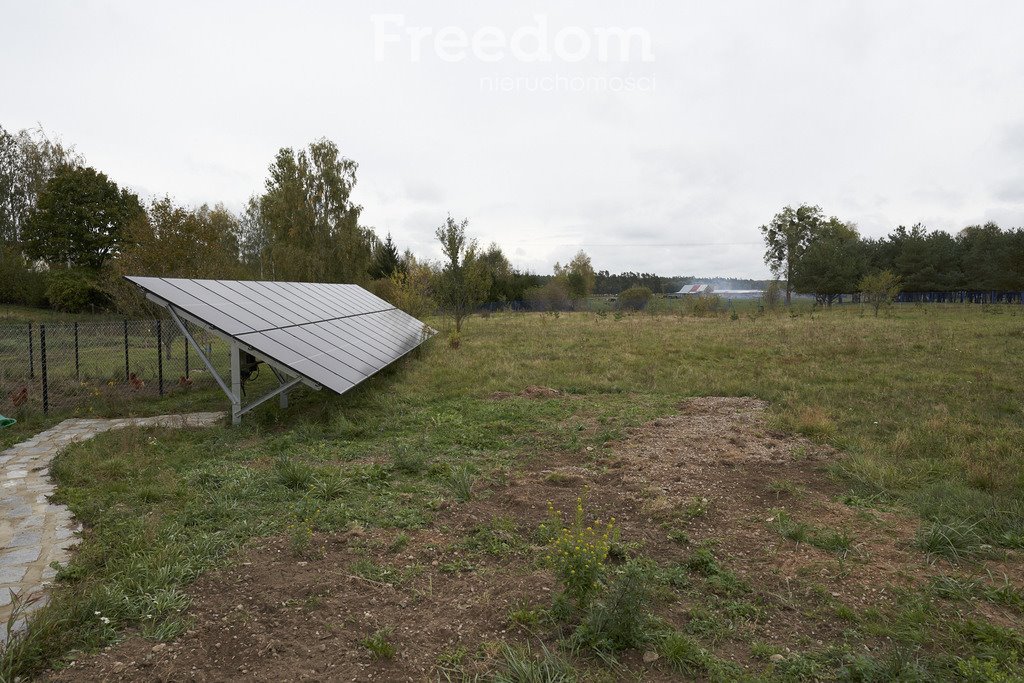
809, 495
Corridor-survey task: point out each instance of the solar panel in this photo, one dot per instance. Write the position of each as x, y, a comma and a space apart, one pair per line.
332, 335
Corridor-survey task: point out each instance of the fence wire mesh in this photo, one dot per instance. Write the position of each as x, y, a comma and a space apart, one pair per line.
61, 367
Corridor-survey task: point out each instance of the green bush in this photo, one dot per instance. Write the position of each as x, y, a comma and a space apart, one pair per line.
19, 283
771, 298
578, 550
74, 291
703, 305
620, 619
553, 296
634, 299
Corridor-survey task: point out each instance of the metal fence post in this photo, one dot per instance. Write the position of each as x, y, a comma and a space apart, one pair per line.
160, 356
31, 355
42, 364
186, 356
127, 373
78, 373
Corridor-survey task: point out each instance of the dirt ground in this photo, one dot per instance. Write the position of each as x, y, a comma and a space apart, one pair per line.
714, 470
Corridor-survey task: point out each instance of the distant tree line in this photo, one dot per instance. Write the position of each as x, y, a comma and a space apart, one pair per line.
68, 233
822, 255
610, 283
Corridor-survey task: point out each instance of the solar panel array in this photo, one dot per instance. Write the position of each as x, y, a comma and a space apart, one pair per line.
335, 335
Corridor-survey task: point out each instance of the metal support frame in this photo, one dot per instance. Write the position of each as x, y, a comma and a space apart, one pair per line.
234, 393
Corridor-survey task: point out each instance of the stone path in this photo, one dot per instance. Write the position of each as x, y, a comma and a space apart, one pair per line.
35, 532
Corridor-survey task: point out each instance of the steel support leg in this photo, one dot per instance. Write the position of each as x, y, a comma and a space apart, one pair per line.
236, 384
282, 380
234, 392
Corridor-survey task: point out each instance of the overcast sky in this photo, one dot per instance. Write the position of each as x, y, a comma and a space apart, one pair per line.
656, 137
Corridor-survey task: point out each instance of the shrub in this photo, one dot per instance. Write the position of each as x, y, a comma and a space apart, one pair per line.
621, 618
702, 305
19, 282
553, 296
634, 299
74, 291
578, 552
408, 290
771, 298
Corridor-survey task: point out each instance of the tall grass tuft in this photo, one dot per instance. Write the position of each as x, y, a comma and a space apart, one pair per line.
460, 482
522, 665
409, 459
954, 541
293, 474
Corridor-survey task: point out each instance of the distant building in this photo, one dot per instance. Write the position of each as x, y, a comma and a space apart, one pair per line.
692, 290
739, 293
705, 290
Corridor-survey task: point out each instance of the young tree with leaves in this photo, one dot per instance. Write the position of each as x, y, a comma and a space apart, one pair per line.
879, 289
578, 275
463, 281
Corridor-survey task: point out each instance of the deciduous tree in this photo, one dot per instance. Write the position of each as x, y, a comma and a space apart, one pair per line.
463, 281
786, 237
831, 264
176, 241
305, 225
579, 275
28, 159
79, 220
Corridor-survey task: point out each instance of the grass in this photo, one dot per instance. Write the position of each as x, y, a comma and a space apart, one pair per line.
522, 665
379, 645
926, 404
954, 541
838, 541
460, 481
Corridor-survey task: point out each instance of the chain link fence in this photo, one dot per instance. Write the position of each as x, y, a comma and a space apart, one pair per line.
63, 367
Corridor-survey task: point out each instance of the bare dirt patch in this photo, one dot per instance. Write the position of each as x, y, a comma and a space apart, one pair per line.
712, 477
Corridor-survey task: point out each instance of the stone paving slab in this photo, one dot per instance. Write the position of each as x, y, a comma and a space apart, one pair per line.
35, 532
